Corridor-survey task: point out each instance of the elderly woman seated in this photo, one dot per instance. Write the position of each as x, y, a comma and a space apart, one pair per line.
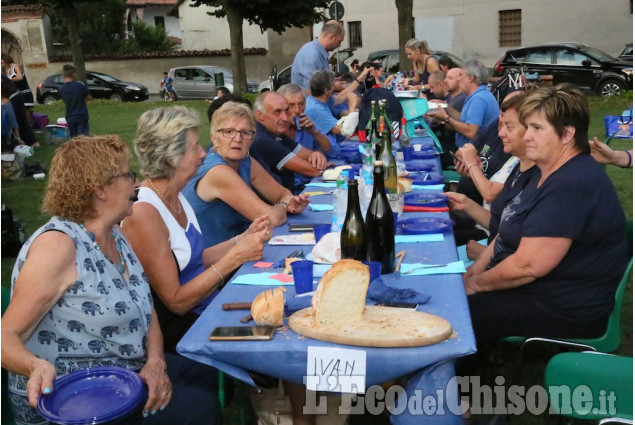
164, 230
231, 189
553, 269
78, 288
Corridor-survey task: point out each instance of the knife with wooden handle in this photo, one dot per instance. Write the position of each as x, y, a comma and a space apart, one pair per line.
237, 306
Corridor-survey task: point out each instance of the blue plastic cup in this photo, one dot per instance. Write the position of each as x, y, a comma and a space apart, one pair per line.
374, 267
302, 276
407, 153
320, 230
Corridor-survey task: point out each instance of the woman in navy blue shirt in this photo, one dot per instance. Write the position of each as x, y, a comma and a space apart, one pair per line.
561, 249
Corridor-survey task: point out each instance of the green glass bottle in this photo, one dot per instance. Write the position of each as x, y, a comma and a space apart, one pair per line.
353, 235
388, 159
380, 225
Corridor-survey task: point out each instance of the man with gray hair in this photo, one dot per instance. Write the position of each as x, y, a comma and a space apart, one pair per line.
278, 154
480, 109
314, 56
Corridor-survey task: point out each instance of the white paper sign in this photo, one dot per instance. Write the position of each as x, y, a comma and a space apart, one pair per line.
338, 370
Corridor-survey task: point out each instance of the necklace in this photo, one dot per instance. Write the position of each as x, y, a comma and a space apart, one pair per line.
120, 267
516, 176
177, 211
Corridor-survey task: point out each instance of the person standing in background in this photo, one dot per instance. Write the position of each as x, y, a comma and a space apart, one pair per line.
313, 56
16, 74
74, 94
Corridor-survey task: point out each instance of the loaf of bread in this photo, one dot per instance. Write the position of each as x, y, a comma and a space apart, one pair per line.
404, 185
268, 306
341, 294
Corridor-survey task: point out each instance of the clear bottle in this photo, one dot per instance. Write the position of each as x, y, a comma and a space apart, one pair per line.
380, 226
371, 125
339, 205
353, 236
404, 139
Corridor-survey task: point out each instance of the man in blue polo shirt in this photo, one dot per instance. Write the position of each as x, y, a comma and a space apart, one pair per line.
74, 94
314, 56
480, 108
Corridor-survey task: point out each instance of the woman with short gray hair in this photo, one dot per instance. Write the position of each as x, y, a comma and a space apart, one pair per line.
163, 229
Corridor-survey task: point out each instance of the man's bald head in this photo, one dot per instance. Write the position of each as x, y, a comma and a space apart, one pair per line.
332, 35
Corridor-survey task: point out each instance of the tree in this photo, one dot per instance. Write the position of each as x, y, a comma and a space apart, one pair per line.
277, 15
404, 22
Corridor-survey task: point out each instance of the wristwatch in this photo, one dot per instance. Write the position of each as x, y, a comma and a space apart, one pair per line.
447, 120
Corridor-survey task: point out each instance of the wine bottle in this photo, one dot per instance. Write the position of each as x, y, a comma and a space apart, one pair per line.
404, 139
371, 125
380, 226
388, 159
353, 236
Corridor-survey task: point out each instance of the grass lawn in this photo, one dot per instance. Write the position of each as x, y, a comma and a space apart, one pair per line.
24, 198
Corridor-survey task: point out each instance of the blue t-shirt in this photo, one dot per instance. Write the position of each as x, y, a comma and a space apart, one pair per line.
480, 109
219, 222
273, 152
322, 116
9, 121
167, 83
310, 58
74, 93
577, 202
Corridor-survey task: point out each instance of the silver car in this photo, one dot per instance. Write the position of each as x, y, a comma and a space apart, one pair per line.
201, 81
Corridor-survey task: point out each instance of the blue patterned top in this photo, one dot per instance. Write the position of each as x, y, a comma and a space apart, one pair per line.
101, 320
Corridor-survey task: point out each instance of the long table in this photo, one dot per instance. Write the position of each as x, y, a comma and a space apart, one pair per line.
429, 368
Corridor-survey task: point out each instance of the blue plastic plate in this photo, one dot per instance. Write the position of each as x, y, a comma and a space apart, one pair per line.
93, 396
425, 153
419, 166
423, 178
422, 199
423, 225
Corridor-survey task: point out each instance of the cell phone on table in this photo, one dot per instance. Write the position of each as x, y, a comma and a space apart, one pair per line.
409, 306
301, 227
242, 333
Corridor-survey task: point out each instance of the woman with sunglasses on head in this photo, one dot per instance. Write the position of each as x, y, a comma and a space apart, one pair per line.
423, 64
78, 289
164, 231
231, 189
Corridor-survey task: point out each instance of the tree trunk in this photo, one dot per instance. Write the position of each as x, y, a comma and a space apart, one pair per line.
70, 16
235, 20
405, 25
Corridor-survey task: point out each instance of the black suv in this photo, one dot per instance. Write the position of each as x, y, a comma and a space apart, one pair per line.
390, 59
100, 86
588, 68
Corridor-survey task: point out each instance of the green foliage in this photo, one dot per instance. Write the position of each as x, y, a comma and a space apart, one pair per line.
277, 15
147, 38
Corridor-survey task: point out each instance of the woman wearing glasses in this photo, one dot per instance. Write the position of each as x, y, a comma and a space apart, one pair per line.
78, 288
164, 231
231, 189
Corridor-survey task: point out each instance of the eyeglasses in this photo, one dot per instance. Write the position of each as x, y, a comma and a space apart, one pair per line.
130, 174
230, 133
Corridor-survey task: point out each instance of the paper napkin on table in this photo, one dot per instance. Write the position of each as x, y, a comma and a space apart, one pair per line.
321, 207
432, 237
323, 184
295, 239
429, 187
259, 279
462, 251
455, 267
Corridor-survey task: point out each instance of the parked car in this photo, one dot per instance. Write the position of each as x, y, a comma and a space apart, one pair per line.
390, 59
100, 86
588, 68
627, 53
283, 77
200, 81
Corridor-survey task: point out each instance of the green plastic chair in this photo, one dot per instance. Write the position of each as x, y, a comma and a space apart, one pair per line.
610, 340
604, 375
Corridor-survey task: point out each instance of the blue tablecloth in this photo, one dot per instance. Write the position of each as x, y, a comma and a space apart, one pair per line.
429, 368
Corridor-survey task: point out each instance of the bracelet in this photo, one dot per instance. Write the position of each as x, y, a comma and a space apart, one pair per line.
447, 120
281, 203
236, 240
222, 279
630, 160
468, 168
358, 82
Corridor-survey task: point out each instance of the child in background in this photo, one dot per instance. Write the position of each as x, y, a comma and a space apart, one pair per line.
166, 83
74, 94
10, 130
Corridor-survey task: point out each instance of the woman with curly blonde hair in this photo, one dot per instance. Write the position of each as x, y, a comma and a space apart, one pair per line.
77, 289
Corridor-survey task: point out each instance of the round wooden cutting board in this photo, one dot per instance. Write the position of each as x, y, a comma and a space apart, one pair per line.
381, 327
